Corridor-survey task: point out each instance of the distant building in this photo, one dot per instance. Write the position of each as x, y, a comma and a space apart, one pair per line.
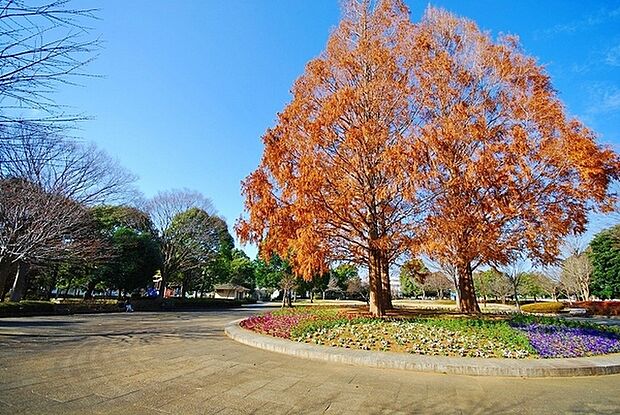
230, 291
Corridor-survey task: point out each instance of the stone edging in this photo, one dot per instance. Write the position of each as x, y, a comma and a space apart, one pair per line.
580, 366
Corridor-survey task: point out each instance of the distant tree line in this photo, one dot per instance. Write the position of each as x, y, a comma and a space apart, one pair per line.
586, 273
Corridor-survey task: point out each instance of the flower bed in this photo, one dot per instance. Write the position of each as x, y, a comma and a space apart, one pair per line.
515, 337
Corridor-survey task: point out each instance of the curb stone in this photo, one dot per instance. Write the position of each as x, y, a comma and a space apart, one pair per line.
562, 367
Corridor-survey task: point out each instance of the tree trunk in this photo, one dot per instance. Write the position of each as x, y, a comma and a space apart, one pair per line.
52, 285
374, 276
385, 284
516, 298
20, 281
183, 288
5, 268
89, 290
455, 281
468, 303
163, 282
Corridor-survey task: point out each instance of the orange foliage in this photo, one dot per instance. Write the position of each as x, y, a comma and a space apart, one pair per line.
429, 138
512, 174
337, 177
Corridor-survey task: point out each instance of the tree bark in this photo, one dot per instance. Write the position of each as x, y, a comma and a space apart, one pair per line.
20, 281
52, 285
89, 290
385, 284
163, 282
516, 294
5, 268
376, 286
183, 287
455, 282
467, 295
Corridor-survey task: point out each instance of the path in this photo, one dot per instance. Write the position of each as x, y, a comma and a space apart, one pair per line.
182, 363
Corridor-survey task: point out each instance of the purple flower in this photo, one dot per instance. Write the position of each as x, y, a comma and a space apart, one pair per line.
559, 341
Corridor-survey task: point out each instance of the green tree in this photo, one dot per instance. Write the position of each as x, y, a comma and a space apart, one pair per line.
135, 262
492, 283
132, 256
533, 285
194, 240
408, 287
276, 273
342, 274
269, 273
412, 275
218, 268
241, 270
605, 257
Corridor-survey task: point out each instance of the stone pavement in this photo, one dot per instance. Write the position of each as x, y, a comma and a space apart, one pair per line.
182, 363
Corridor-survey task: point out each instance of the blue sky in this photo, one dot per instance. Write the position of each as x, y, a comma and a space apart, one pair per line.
189, 87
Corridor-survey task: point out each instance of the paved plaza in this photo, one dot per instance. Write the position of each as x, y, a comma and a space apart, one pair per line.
182, 363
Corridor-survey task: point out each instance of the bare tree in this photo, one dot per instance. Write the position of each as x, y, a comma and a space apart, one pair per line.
513, 273
42, 46
164, 208
577, 269
576, 274
551, 281
449, 271
288, 284
357, 287
437, 282
39, 227
78, 171
47, 184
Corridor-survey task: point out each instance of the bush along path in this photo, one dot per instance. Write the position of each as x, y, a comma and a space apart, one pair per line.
505, 337
46, 308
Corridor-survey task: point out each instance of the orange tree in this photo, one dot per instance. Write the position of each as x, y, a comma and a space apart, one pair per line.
337, 178
512, 173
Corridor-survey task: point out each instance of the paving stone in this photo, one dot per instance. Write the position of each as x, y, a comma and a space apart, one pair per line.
184, 364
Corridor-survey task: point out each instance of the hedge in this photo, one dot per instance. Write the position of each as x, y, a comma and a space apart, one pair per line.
600, 308
32, 308
26, 308
547, 307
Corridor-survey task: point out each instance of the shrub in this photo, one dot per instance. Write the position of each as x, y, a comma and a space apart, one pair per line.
601, 308
27, 308
89, 306
170, 304
545, 308
199, 303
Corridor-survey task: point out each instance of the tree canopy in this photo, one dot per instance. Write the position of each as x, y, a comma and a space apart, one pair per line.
430, 138
605, 256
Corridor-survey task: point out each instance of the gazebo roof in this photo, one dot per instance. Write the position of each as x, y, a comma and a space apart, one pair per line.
230, 287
